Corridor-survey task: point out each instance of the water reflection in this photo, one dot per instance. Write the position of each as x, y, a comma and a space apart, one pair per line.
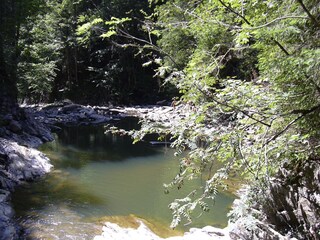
99, 175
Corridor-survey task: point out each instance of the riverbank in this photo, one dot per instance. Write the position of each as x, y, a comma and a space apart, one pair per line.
20, 162
143, 232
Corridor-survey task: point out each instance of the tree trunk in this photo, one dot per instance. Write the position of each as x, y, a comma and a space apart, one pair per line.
8, 87
8, 97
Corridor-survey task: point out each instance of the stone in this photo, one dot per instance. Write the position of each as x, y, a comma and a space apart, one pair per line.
6, 210
4, 195
71, 108
115, 232
5, 120
15, 126
8, 232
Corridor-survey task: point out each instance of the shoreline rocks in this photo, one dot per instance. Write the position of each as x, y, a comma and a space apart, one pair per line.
21, 162
68, 114
115, 232
18, 164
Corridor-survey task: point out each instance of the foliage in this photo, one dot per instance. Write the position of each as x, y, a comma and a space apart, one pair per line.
249, 71
114, 68
61, 54
13, 15
39, 54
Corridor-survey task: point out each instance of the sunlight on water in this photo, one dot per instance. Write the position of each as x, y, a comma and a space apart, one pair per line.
98, 175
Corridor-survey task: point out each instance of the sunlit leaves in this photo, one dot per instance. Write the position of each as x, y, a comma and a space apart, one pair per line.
250, 72
40, 52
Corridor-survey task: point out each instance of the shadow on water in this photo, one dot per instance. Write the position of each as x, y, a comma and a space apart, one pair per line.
98, 175
78, 146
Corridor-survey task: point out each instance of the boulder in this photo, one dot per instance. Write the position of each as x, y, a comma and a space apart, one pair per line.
70, 108
115, 232
15, 126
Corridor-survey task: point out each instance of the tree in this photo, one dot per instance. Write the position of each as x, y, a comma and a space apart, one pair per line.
250, 72
40, 46
13, 13
114, 70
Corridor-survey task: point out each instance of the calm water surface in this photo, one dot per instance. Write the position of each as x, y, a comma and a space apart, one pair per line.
97, 175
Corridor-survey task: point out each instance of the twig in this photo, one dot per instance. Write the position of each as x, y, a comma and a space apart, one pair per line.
273, 21
235, 12
232, 107
150, 44
303, 114
313, 19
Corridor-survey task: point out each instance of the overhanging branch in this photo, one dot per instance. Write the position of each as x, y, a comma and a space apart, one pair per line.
313, 19
303, 113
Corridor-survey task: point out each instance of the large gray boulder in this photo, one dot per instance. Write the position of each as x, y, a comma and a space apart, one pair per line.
18, 164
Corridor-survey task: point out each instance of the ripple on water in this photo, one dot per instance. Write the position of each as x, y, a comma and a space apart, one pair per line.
58, 222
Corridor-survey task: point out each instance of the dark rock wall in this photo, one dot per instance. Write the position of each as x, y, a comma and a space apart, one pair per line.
289, 208
293, 201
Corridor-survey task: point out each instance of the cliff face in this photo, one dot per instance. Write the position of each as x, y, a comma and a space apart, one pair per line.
292, 203
289, 208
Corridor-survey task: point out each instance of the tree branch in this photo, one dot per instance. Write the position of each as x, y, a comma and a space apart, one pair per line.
209, 95
275, 20
250, 24
280, 46
303, 113
313, 19
235, 12
149, 44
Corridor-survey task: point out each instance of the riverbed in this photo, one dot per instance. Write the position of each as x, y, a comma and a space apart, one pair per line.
98, 175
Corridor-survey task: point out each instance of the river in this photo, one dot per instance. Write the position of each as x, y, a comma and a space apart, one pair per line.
99, 175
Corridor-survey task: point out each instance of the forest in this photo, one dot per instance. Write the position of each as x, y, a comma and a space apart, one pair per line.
248, 70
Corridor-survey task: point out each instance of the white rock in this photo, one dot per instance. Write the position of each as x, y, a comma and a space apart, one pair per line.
115, 232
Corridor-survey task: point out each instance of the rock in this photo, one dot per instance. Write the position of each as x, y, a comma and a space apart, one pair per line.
15, 127
2, 131
70, 108
17, 163
23, 163
8, 232
4, 195
5, 120
115, 232
71, 115
289, 208
6, 210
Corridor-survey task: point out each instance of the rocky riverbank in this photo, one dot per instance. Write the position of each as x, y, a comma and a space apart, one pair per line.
290, 209
115, 232
19, 162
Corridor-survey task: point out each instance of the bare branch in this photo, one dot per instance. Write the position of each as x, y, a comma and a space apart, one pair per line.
235, 12
275, 20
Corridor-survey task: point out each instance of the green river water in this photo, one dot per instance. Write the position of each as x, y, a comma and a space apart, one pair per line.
99, 175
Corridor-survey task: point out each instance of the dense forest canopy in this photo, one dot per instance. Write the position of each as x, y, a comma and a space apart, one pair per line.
248, 69
46, 59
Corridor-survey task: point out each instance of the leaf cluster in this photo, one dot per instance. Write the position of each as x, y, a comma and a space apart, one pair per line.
249, 73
